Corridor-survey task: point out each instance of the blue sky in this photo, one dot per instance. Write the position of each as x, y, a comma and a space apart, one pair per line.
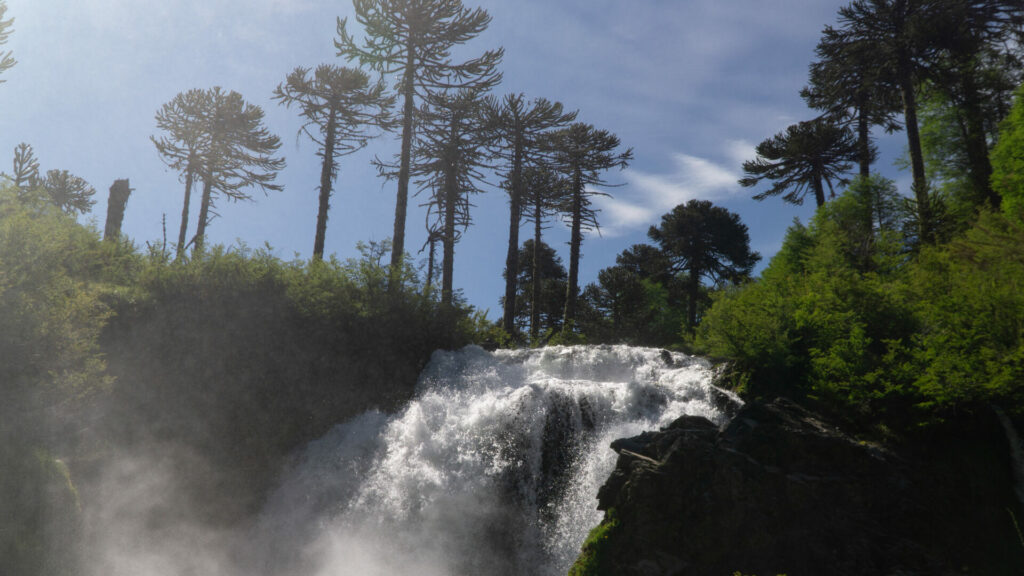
690, 85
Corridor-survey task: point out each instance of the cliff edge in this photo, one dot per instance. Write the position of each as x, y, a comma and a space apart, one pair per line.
781, 490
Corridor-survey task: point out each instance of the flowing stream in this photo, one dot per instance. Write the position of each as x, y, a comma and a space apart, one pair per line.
492, 469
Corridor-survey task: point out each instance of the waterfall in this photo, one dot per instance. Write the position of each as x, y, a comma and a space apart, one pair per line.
491, 469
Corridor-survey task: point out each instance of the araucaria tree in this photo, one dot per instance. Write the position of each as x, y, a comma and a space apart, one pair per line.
805, 157
705, 242
412, 40
547, 194
582, 153
68, 192
850, 89
185, 120
518, 129
895, 30
240, 156
25, 173
447, 162
218, 138
6, 58
340, 109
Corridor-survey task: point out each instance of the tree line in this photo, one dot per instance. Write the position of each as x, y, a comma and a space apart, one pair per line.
454, 133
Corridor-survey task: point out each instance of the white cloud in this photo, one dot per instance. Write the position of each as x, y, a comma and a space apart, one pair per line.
651, 195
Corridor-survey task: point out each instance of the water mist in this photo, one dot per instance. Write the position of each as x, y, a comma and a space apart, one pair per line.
493, 467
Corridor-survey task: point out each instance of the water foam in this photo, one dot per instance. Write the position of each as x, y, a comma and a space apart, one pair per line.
493, 467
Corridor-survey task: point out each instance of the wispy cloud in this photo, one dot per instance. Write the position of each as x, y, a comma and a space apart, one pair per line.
652, 194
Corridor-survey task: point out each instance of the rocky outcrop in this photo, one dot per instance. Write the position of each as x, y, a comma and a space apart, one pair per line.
780, 490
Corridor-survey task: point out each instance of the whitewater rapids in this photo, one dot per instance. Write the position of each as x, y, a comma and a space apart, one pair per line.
491, 469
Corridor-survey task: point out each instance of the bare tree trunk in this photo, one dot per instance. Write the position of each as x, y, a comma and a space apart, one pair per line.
575, 242
535, 288
183, 230
204, 216
819, 190
977, 142
448, 263
863, 138
512, 258
326, 179
116, 203
402, 200
920, 185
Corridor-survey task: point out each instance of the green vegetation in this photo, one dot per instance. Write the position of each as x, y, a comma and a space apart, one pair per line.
592, 560
845, 315
233, 353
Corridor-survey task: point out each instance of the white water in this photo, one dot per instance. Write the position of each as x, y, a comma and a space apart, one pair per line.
492, 469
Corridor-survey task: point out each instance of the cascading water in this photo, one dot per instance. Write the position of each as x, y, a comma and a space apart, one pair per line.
492, 469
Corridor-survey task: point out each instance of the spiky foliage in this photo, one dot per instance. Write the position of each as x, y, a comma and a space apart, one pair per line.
412, 40
803, 158
977, 67
185, 121
851, 90
895, 33
341, 111
25, 173
582, 153
518, 130
448, 158
218, 137
68, 192
7, 60
707, 243
547, 193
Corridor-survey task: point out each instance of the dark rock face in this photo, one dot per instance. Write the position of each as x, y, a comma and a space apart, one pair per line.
781, 491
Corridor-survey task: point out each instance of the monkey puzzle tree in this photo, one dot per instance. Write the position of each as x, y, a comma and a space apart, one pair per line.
339, 107
25, 173
518, 129
6, 58
68, 192
186, 121
541, 305
450, 151
895, 31
582, 153
802, 158
413, 39
848, 86
707, 243
547, 194
976, 67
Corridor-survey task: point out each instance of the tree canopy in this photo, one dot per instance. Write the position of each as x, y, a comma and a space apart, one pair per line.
340, 108
705, 242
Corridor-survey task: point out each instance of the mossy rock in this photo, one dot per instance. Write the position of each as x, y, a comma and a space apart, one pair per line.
593, 559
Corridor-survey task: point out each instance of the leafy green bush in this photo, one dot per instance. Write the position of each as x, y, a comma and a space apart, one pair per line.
593, 560
847, 316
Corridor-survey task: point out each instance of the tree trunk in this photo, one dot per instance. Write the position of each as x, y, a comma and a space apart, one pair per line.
183, 231
535, 288
116, 203
575, 241
431, 241
448, 263
204, 214
863, 137
692, 295
326, 173
977, 142
920, 185
512, 258
819, 190
402, 200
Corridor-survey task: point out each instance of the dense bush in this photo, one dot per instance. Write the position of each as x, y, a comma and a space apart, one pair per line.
846, 315
229, 359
